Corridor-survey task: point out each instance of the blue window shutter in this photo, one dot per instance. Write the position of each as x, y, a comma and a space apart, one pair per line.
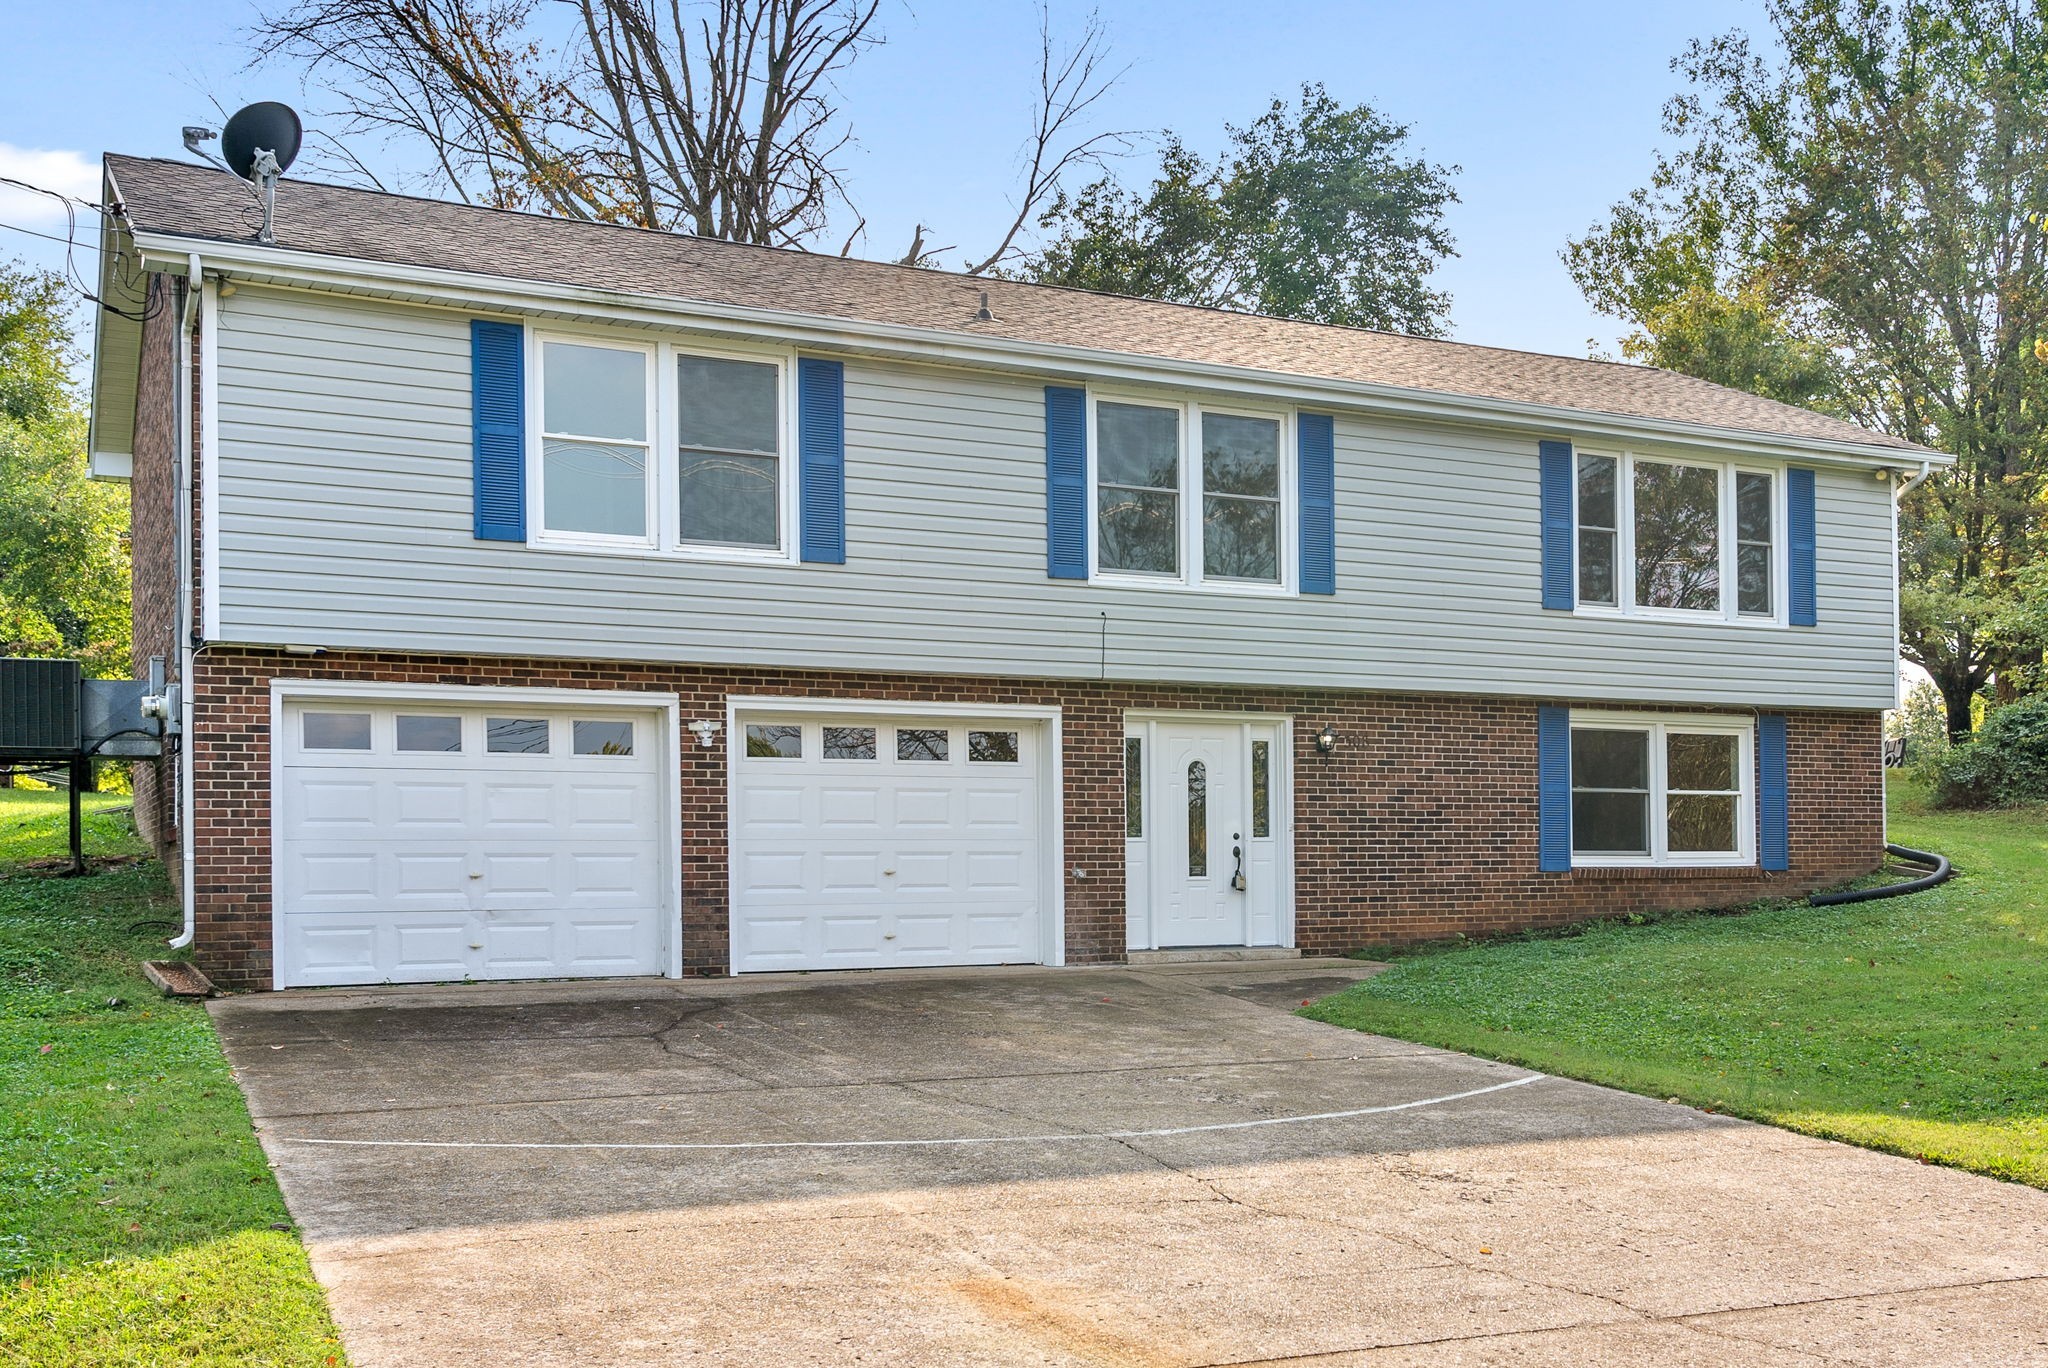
1773, 804
1316, 459
1066, 482
497, 365
821, 458
1802, 597
1554, 789
1559, 591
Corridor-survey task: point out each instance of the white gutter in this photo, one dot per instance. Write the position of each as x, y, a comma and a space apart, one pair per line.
187, 315
475, 290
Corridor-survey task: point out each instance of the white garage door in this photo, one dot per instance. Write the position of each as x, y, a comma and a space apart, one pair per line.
867, 843
421, 843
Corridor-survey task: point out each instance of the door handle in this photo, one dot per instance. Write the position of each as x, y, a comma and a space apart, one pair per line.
1237, 879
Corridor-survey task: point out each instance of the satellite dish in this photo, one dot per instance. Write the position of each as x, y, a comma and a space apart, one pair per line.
264, 127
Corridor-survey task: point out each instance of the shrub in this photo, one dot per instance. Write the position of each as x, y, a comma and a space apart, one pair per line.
1921, 722
2005, 762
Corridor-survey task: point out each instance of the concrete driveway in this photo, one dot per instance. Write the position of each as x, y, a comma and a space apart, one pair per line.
1138, 1168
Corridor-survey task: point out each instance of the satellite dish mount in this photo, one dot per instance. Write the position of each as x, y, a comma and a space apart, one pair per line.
267, 171
259, 144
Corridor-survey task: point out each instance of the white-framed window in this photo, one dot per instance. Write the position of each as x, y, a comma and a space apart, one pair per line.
661, 447
1649, 789
1189, 495
597, 430
1667, 536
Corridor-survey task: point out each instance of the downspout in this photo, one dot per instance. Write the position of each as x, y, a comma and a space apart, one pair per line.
188, 312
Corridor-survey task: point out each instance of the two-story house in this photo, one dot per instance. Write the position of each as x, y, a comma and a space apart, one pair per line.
551, 598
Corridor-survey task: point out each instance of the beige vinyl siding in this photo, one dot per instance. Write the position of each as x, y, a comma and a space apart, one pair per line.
346, 522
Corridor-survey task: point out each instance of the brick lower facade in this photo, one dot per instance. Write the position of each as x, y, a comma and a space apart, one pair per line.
1421, 824
153, 552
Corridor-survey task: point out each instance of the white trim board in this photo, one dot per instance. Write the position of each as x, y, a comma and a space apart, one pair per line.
208, 472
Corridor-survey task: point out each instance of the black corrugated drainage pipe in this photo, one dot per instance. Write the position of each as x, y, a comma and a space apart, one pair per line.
1938, 872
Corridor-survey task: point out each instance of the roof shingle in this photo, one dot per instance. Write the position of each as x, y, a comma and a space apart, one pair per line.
186, 200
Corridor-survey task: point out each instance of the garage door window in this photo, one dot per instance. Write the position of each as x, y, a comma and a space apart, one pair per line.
516, 735
849, 743
992, 747
336, 731
918, 743
603, 738
441, 735
774, 742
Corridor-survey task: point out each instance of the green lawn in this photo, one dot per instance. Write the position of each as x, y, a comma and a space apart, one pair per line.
139, 1223
1911, 1024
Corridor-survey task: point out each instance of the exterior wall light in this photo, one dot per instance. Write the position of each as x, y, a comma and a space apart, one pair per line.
707, 731
1326, 739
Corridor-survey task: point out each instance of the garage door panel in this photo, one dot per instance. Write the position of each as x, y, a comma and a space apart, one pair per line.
998, 932
338, 876
989, 809
924, 808
924, 871
518, 807
335, 804
419, 875
849, 871
875, 861
598, 810
608, 946
433, 865
338, 954
851, 935
430, 948
768, 806
848, 808
997, 871
420, 804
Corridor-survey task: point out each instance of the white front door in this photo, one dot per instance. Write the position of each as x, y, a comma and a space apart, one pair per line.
442, 839
866, 842
1201, 836
1206, 815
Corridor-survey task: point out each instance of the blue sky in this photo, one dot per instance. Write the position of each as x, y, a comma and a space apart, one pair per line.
1552, 111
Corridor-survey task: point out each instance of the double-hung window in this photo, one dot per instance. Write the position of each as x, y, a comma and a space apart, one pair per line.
1669, 537
1673, 791
1219, 520
729, 452
597, 428
662, 448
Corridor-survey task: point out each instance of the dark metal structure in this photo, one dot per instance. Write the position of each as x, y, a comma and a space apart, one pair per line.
54, 723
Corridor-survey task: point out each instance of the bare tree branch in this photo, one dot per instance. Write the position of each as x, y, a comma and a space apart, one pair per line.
1069, 85
721, 125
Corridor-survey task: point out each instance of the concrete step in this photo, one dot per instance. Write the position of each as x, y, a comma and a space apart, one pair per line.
1212, 954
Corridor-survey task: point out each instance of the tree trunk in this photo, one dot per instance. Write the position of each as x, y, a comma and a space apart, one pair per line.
1957, 691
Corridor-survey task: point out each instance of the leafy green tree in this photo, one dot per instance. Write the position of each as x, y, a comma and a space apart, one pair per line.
1314, 212
63, 538
1855, 222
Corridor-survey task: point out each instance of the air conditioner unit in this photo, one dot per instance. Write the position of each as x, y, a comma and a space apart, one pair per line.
39, 709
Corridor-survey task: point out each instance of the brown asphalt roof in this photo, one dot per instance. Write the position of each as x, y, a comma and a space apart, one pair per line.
187, 200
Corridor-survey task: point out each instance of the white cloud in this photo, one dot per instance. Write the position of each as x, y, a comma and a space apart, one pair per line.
69, 173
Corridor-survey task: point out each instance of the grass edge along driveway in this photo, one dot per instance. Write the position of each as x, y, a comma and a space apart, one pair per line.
139, 1221
1913, 1025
